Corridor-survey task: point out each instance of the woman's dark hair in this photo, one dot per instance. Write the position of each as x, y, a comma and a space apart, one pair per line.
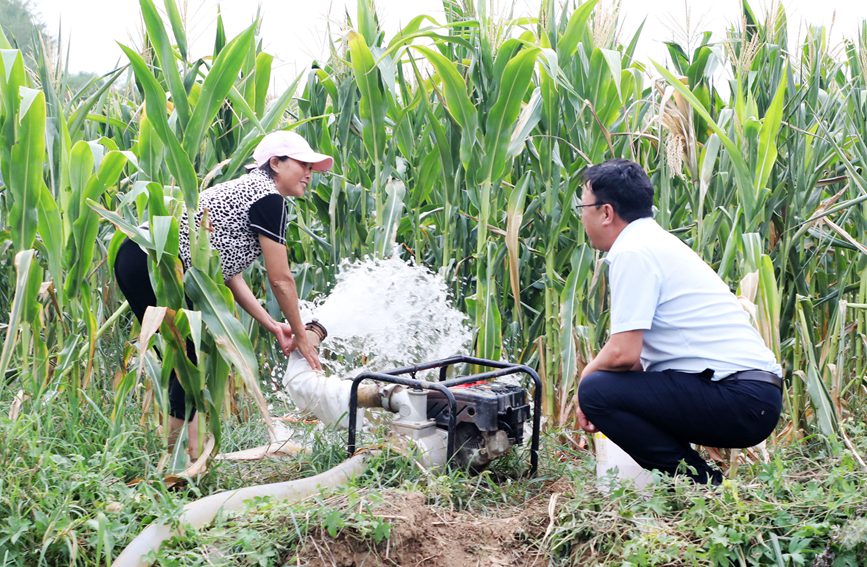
266, 167
624, 185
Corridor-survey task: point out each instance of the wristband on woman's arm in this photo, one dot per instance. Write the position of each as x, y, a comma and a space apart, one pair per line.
317, 327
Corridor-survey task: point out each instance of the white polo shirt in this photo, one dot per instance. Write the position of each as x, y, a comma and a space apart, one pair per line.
690, 318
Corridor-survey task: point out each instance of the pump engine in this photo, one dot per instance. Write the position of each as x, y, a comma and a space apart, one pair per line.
466, 421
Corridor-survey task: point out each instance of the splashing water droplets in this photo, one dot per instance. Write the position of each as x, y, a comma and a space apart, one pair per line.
384, 314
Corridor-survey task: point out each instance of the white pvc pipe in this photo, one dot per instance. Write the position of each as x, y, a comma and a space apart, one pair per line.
201, 512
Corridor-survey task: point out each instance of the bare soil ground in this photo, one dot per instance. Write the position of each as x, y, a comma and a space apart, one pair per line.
424, 535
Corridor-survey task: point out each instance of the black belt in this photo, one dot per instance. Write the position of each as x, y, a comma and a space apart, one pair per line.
756, 376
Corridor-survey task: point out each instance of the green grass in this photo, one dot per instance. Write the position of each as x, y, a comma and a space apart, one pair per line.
64, 499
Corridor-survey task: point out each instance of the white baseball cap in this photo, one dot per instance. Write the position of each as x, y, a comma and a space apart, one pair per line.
285, 143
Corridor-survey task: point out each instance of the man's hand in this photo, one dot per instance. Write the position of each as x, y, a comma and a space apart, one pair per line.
584, 423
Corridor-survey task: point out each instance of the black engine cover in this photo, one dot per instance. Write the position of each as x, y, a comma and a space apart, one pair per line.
489, 406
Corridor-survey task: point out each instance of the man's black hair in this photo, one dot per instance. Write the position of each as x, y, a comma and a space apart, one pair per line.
624, 185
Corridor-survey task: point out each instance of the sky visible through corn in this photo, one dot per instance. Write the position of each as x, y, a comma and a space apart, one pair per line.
297, 32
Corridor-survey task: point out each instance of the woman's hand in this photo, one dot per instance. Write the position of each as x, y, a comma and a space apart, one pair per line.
285, 337
288, 342
307, 350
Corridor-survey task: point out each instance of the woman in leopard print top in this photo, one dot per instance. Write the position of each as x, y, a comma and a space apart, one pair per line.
247, 217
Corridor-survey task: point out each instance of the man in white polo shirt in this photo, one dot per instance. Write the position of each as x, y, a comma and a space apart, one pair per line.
683, 364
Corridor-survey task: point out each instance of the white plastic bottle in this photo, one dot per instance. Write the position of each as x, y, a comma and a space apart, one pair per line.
609, 456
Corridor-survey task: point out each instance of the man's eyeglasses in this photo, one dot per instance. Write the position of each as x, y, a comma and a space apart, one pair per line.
579, 209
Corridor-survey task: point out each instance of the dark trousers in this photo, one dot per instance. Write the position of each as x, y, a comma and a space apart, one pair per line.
131, 272
654, 416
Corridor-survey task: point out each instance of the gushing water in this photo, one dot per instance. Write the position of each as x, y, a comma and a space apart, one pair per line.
383, 314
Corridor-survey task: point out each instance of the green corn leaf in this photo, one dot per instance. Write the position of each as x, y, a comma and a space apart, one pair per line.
504, 113
50, 230
388, 73
119, 408
117, 239
219, 35
731, 245
612, 63
570, 300
575, 31
220, 80
156, 201
818, 392
568, 351
151, 150
179, 163
410, 29
768, 135
490, 339
678, 56
769, 305
108, 173
159, 38
263, 81
228, 333
175, 356
83, 109
190, 324
373, 105
164, 232
549, 72
504, 54
368, 22
131, 231
629, 52
24, 265
167, 276
28, 156
514, 220
273, 115
12, 79
699, 65
177, 27
413, 31
708, 160
457, 100
150, 324
530, 116
4, 42
396, 191
80, 250
604, 87
243, 108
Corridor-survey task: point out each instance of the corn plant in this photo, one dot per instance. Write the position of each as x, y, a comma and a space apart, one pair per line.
744, 177
461, 143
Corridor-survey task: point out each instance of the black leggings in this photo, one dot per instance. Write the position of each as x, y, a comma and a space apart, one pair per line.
131, 271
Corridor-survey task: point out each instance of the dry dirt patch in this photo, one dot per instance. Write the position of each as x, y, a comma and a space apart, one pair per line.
424, 535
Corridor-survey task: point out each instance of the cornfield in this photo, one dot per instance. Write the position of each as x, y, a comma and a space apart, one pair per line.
459, 144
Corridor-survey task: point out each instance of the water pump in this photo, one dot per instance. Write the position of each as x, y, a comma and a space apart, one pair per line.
466, 421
